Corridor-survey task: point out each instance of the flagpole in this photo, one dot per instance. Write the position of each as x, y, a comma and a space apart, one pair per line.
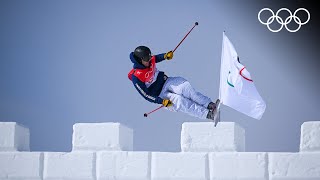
221, 61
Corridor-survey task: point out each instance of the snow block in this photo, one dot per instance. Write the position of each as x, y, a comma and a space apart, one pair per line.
123, 165
102, 137
204, 137
71, 166
310, 136
14, 137
21, 165
179, 166
291, 166
241, 166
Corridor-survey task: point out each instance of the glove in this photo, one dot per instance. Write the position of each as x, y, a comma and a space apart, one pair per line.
167, 103
168, 55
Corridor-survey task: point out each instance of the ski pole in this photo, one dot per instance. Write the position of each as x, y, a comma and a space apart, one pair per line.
195, 24
146, 114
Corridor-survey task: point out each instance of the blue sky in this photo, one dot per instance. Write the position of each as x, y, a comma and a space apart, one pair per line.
66, 62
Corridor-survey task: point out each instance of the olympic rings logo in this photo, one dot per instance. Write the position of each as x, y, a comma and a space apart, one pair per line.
286, 21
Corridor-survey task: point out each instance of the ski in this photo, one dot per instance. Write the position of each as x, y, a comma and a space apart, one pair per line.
216, 113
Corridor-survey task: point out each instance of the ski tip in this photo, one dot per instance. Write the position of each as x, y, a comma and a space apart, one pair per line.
216, 120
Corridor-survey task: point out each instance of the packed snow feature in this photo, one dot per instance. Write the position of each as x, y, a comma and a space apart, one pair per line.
14, 137
75, 165
100, 152
205, 137
131, 165
102, 136
310, 136
16, 165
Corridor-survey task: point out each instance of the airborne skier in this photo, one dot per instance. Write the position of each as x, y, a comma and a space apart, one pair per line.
175, 93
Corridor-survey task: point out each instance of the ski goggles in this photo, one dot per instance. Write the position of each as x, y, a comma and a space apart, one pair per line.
147, 58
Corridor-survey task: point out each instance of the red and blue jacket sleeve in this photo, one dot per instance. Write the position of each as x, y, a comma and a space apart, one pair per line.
144, 92
160, 57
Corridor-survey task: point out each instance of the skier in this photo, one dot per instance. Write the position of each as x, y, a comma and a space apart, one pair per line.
175, 93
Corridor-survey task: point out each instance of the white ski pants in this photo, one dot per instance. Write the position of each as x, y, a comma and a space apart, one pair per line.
184, 98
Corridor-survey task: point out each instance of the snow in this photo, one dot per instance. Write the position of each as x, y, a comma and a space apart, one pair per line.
179, 166
204, 137
14, 137
208, 153
71, 166
123, 165
310, 136
21, 165
235, 165
102, 136
288, 166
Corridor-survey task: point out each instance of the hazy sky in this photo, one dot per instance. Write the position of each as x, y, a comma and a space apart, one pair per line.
66, 62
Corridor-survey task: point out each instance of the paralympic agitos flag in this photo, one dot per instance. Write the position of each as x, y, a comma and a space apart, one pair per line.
237, 89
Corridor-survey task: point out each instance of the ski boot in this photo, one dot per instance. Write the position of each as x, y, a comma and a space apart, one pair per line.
214, 113
210, 115
211, 106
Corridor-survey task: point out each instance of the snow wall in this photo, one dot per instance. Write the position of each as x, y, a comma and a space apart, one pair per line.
104, 151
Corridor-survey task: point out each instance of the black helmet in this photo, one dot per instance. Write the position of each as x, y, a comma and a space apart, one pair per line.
142, 53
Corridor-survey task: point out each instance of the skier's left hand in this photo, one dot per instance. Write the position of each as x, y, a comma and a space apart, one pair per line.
166, 103
168, 55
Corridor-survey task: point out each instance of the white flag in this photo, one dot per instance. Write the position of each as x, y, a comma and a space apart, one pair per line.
237, 89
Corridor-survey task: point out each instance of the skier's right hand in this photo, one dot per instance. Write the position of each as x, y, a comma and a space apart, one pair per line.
168, 55
167, 103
